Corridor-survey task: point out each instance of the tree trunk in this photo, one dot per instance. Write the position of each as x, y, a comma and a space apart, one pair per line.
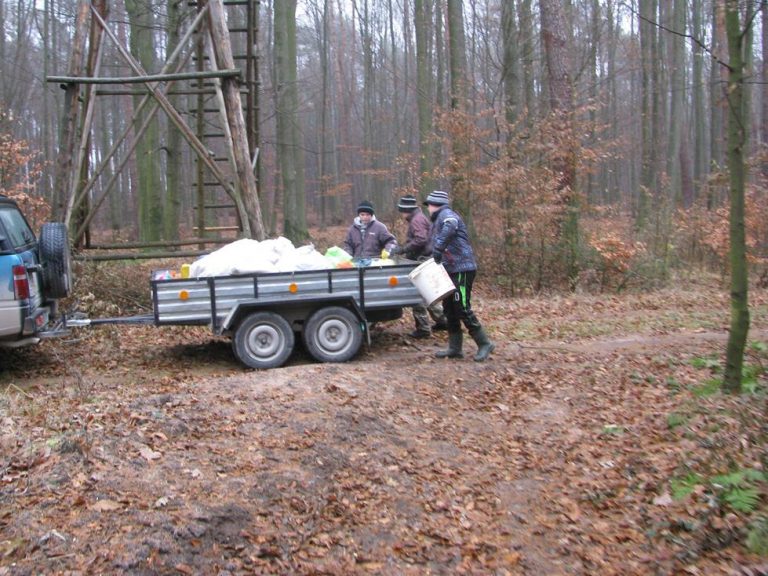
647, 172
142, 46
555, 36
172, 208
528, 56
460, 161
424, 102
718, 98
71, 120
699, 120
677, 94
737, 121
764, 118
510, 64
289, 145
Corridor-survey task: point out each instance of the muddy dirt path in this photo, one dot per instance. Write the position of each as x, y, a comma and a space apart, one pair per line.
545, 460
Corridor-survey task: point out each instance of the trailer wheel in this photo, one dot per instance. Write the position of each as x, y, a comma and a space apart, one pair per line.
263, 340
56, 260
333, 334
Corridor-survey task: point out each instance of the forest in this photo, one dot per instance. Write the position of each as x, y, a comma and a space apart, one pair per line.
610, 160
587, 140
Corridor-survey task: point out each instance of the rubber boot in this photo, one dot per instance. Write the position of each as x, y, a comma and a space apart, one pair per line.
455, 343
484, 345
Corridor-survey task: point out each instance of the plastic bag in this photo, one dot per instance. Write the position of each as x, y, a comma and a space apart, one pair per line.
337, 256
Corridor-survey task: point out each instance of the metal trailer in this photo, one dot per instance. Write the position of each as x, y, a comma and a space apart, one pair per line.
331, 310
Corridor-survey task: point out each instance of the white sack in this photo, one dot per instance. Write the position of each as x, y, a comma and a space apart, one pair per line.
247, 256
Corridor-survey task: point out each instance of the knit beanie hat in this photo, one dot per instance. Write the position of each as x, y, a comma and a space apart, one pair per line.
407, 204
365, 206
437, 198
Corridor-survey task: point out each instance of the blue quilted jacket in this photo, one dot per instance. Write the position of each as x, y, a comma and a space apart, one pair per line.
451, 239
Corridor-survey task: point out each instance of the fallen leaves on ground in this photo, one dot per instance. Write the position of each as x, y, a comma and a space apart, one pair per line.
135, 449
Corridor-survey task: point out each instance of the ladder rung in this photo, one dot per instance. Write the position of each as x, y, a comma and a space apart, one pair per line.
218, 228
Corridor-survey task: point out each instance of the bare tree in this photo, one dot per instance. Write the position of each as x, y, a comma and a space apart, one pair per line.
288, 133
555, 36
738, 120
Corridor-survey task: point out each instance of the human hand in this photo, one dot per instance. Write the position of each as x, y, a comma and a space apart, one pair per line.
397, 250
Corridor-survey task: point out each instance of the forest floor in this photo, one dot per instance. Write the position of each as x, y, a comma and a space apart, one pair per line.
592, 442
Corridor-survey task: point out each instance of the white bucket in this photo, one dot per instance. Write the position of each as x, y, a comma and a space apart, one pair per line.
432, 281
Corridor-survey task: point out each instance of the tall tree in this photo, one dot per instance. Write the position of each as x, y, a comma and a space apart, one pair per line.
764, 75
528, 58
288, 133
554, 31
698, 119
424, 95
677, 95
142, 45
172, 207
718, 97
510, 62
738, 119
460, 151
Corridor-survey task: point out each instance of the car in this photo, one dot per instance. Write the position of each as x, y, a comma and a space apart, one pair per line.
35, 273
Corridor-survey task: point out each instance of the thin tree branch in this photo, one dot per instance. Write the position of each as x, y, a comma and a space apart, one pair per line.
690, 37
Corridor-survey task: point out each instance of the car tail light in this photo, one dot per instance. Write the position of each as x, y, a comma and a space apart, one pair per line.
20, 282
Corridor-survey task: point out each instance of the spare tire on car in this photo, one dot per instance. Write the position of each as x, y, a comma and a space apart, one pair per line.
56, 260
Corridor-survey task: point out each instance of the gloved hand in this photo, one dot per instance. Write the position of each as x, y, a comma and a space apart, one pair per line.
438, 256
396, 250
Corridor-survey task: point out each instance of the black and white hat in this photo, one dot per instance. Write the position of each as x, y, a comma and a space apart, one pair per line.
437, 198
407, 204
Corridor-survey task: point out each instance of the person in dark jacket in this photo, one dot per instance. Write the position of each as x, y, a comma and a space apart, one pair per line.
418, 247
451, 247
367, 237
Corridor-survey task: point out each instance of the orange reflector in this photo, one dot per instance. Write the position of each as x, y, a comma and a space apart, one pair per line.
393, 281
183, 295
292, 288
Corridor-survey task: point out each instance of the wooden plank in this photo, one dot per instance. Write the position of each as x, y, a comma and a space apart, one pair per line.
231, 92
236, 72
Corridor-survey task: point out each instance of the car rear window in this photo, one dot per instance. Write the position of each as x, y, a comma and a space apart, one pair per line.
15, 233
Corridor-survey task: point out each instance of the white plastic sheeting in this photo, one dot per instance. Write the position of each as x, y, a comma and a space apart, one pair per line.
250, 256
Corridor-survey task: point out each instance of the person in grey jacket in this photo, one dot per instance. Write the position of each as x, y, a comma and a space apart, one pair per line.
367, 237
419, 247
451, 247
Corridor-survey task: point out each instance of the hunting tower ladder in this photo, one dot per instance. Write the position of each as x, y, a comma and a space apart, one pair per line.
224, 132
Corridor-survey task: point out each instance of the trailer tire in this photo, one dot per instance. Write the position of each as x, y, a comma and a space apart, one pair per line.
263, 340
56, 260
333, 334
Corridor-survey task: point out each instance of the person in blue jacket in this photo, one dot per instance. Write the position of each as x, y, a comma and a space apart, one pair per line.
451, 247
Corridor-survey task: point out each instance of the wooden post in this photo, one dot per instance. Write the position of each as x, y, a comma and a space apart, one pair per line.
231, 92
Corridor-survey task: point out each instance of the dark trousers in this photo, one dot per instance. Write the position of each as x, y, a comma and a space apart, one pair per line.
458, 306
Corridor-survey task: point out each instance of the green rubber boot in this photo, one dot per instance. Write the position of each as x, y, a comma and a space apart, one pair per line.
484, 345
455, 343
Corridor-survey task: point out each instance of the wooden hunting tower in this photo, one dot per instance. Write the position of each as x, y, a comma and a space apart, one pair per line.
219, 121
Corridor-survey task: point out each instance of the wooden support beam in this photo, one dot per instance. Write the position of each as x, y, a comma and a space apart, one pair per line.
137, 256
234, 72
160, 244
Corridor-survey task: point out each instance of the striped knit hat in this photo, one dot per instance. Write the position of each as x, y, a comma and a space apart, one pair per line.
407, 204
437, 198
